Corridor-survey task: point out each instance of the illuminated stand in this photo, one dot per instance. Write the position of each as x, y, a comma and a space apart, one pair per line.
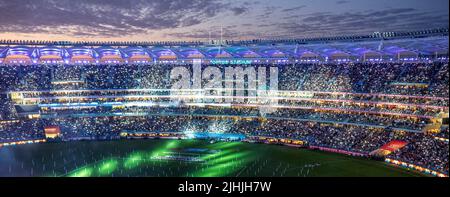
51, 55
215, 136
137, 55
82, 56
52, 132
18, 55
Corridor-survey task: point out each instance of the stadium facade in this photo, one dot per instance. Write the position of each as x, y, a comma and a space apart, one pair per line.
383, 95
391, 46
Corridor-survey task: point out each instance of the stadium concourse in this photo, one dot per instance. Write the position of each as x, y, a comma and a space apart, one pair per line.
379, 96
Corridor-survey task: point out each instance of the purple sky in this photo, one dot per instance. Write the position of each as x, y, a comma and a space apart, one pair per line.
152, 20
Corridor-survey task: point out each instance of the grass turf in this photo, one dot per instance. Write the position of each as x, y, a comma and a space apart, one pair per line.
164, 158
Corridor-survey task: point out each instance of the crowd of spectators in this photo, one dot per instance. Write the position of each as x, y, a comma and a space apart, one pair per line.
369, 78
353, 127
15, 131
422, 149
429, 79
413, 123
425, 151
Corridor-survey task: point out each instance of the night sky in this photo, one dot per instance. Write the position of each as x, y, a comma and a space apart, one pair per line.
154, 20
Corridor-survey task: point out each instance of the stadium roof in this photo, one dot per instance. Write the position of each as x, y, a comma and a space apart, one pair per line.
190, 53
272, 52
242, 52
3, 51
428, 46
320, 40
215, 52
163, 53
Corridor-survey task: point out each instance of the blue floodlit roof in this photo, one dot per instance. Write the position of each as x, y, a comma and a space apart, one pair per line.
425, 46
50, 50
82, 51
105, 51
133, 51
160, 51
327, 51
214, 52
394, 50
357, 50
3, 51
190, 53
270, 52
20, 50
297, 51
242, 52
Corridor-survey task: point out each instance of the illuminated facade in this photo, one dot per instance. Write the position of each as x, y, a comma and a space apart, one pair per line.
370, 49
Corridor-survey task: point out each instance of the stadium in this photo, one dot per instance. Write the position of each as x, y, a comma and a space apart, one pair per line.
369, 105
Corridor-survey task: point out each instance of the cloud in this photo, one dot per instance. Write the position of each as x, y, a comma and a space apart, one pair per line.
342, 2
363, 22
239, 10
294, 8
193, 19
112, 17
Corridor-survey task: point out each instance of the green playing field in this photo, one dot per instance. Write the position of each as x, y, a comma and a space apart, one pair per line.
173, 158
